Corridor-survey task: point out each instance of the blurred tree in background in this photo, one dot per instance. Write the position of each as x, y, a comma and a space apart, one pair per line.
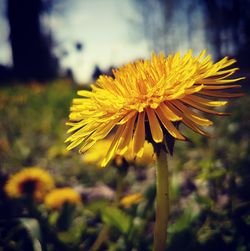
228, 27
31, 47
221, 26
224, 25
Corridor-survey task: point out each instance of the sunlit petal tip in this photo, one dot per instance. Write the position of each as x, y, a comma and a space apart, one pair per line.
183, 138
177, 119
84, 93
155, 127
66, 140
190, 52
123, 151
218, 103
153, 54
104, 163
70, 129
158, 140
140, 153
210, 123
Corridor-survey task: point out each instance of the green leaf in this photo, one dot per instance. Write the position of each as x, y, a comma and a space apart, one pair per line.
115, 217
33, 228
182, 222
204, 200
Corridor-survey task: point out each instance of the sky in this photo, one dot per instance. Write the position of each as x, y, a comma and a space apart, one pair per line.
104, 27
5, 52
106, 31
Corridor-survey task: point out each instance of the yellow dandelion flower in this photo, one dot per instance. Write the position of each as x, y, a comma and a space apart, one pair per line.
128, 200
57, 197
158, 92
96, 154
33, 181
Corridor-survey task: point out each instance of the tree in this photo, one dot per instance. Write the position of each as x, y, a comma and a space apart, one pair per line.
31, 49
225, 25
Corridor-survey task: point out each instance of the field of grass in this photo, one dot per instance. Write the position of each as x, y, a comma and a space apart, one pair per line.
210, 182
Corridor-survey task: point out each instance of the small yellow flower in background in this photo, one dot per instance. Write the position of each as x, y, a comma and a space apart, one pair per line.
57, 197
96, 154
160, 92
56, 151
147, 157
29, 181
128, 200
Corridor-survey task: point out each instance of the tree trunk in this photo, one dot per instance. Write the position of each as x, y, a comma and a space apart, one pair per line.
31, 52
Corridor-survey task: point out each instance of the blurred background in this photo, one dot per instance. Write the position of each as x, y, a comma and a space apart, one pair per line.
44, 39
51, 48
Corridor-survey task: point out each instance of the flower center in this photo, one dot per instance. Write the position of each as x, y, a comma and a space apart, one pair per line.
140, 103
28, 187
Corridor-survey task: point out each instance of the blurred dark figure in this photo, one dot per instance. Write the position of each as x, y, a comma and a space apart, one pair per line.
31, 49
5, 73
98, 71
79, 46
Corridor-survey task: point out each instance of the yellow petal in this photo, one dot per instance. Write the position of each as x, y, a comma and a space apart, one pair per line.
104, 130
168, 113
195, 128
169, 126
206, 102
127, 117
83, 132
188, 122
113, 146
88, 144
202, 108
155, 127
192, 115
139, 135
126, 136
85, 93
75, 143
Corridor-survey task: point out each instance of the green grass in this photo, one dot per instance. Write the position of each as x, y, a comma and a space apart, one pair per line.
33, 131
210, 177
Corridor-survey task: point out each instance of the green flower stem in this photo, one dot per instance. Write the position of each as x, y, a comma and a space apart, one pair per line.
162, 200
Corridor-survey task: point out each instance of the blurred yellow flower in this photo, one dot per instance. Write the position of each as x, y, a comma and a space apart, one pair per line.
57, 197
147, 157
159, 92
29, 181
96, 154
128, 200
56, 151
